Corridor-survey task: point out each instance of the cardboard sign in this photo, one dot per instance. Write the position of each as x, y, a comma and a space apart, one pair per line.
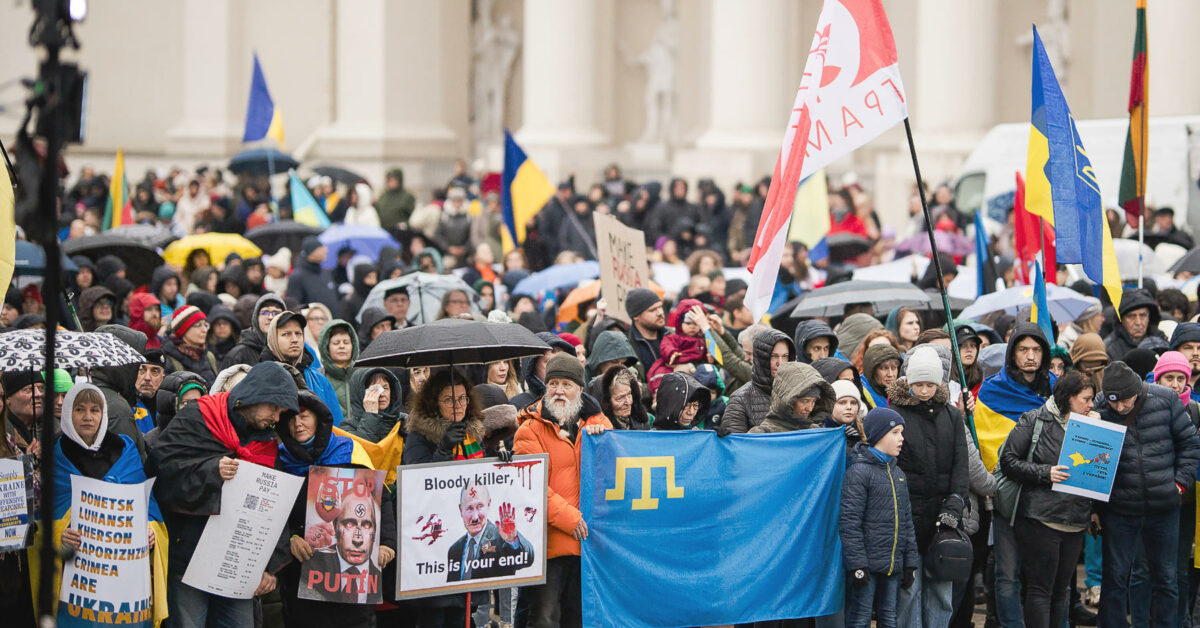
623, 264
341, 523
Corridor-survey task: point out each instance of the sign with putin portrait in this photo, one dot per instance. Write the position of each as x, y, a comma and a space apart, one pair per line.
471, 525
342, 525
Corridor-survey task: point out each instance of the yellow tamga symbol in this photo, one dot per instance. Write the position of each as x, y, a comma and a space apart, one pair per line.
645, 502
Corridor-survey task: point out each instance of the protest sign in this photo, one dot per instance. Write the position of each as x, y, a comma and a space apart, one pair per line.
341, 523
234, 548
107, 580
623, 266
16, 497
1091, 450
471, 526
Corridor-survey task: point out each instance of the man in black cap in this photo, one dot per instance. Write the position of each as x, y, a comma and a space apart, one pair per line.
1164, 227
1186, 340
649, 326
396, 301
1158, 462
309, 282
23, 397
149, 378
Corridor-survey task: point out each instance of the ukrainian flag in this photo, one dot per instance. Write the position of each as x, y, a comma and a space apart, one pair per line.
1000, 405
1041, 310
1060, 184
263, 119
305, 209
119, 210
523, 192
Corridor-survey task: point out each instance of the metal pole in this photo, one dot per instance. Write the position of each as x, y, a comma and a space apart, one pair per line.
1141, 236
941, 280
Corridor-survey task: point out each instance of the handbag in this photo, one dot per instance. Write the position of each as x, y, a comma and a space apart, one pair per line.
1008, 491
949, 556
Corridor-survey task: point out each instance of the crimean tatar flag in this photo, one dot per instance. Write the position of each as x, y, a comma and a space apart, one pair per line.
524, 189
849, 94
263, 119
1132, 195
119, 210
1060, 184
305, 209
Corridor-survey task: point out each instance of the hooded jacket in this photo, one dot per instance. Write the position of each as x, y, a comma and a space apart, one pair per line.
1119, 342
1005, 396
339, 377
675, 391
395, 206
934, 457
1038, 501
119, 386
87, 300
221, 348
668, 213
609, 346
853, 329
349, 306
138, 304
371, 317
166, 398
600, 387
876, 524
874, 393
160, 277
540, 433
308, 367
811, 330
253, 340
371, 425
792, 380
204, 367
1161, 450
93, 460
309, 283
748, 406
190, 447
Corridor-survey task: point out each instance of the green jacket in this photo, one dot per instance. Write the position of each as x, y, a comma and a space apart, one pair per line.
338, 376
395, 206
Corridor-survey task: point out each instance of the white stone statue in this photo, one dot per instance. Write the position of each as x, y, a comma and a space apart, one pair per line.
658, 60
1056, 36
496, 46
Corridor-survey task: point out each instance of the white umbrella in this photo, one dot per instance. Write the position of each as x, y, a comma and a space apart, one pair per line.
25, 350
425, 292
1064, 303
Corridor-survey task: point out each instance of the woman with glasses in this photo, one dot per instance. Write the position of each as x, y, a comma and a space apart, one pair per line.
186, 347
682, 403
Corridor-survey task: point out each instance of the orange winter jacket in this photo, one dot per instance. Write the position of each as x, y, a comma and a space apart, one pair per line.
538, 435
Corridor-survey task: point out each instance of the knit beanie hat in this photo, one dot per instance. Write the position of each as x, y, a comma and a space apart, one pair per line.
844, 388
1088, 347
924, 365
1172, 362
1185, 332
878, 422
1141, 361
310, 244
1091, 311
63, 381
639, 300
184, 318
564, 366
851, 331
1120, 382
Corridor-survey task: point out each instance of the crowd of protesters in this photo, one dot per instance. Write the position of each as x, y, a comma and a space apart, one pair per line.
255, 360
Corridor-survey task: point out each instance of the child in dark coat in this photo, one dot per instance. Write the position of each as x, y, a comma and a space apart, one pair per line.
879, 549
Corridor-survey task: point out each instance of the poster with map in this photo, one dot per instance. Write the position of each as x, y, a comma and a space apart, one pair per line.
1091, 450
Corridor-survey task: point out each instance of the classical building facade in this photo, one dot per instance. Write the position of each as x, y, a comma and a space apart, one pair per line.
687, 87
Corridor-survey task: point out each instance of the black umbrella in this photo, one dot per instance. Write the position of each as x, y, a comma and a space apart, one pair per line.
845, 246
262, 161
155, 236
274, 236
451, 342
140, 258
341, 175
1188, 263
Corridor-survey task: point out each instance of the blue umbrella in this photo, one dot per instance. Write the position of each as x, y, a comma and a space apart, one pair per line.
557, 276
31, 260
262, 161
1064, 303
364, 240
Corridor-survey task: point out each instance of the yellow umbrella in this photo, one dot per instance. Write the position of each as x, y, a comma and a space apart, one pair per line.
218, 245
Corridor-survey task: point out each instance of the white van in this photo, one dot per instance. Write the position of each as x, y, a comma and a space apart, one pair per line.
987, 177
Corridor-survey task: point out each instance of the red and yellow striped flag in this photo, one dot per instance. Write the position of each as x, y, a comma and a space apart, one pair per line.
1133, 170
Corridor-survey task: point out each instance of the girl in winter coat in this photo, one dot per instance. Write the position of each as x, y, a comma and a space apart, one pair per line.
1049, 525
879, 550
682, 350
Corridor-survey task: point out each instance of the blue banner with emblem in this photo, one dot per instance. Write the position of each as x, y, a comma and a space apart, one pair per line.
689, 529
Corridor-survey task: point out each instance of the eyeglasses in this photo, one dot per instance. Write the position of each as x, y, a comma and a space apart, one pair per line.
461, 400
693, 406
458, 302
269, 313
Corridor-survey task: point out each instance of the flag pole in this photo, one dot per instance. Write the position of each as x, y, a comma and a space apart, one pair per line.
1141, 237
941, 279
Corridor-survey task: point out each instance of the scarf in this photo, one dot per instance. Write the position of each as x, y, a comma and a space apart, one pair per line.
215, 410
884, 458
193, 352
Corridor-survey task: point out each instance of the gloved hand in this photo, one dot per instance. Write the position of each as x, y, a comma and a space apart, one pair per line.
861, 577
723, 430
948, 520
910, 576
454, 435
504, 454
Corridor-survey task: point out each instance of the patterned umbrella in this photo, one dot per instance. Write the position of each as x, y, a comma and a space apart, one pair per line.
24, 350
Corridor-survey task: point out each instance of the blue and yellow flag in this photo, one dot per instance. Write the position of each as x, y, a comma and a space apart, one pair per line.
524, 189
305, 209
263, 119
663, 513
1060, 184
1000, 405
1041, 310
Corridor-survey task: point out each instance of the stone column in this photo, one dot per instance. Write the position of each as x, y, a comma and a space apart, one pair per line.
213, 105
560, 57
956, 66
1173, 48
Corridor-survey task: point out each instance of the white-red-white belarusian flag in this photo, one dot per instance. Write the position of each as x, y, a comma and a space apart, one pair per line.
850, 93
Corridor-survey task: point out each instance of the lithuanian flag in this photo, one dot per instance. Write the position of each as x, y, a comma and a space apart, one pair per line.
119, 210
1133, 169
